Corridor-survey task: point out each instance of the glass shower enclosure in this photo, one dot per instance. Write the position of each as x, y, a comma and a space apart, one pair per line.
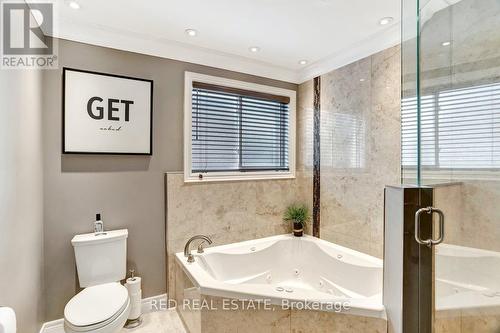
450, 116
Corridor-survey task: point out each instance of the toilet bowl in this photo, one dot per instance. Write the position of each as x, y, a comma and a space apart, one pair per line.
102, 308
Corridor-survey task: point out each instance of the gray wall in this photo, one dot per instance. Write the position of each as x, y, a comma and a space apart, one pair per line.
127, 190
21, 210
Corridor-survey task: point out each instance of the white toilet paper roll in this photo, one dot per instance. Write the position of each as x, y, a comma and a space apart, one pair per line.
134, 298
7, 320
135, 306
133, 286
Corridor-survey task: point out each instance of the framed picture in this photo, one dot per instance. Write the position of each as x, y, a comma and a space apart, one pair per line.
106, 114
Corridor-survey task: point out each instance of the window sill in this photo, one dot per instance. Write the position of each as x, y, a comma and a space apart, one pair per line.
234, 178
447, 175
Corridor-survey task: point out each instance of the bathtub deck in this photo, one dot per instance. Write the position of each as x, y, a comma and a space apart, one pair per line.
218, 319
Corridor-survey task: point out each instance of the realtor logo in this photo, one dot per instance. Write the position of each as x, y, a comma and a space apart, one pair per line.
24, 30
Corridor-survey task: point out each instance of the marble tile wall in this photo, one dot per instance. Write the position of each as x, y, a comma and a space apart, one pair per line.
449, 198
228, 212
360, 148
482, 320
472, 214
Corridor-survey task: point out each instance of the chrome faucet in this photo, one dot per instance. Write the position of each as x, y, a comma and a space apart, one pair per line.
187, 250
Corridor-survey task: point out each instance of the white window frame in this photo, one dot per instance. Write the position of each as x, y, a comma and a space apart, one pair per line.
189, 177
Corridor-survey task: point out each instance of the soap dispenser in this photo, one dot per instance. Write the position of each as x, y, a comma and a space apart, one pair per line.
98, 225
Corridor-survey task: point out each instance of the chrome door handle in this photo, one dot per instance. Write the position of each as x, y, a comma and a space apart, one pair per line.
431, 241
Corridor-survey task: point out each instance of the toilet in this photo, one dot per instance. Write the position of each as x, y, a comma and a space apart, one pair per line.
103, 305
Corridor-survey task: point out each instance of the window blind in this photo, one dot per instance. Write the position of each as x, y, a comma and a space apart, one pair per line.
342, 140
238, 130
427, 130
460, 128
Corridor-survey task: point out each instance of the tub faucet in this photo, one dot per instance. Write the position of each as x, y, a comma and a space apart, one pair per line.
187, 250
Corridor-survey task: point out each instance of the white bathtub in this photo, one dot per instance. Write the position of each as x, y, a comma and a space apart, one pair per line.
287, 269
466, 278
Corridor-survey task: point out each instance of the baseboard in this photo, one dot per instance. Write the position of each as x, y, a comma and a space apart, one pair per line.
149, 304
154, 303
55, 326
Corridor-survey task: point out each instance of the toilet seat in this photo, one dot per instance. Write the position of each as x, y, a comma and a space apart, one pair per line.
96, 307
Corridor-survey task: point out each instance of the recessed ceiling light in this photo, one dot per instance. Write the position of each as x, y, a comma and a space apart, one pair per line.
447, 43
385, 20
191, 32
303, 62
74, 5
254, 49
361, 80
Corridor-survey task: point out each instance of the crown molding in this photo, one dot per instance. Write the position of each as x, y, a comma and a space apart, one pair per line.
359, 50
151, 45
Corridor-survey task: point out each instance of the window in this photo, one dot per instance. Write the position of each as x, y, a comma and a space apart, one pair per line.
237, 130
460, 129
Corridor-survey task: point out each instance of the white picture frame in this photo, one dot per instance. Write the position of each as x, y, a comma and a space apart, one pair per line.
106, 114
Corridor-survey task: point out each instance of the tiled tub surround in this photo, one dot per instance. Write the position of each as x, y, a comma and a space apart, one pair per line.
228, 212
472, 214
360, 147
235, 276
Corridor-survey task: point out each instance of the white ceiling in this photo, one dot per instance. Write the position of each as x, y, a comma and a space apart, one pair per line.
328, 33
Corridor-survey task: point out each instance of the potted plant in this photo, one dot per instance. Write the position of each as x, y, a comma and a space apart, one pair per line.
299, 216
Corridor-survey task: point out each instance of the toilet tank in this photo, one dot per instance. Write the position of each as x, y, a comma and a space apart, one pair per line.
101, 258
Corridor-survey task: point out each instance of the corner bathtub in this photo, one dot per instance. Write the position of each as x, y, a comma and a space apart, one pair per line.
290, 269
467, 290
467, 278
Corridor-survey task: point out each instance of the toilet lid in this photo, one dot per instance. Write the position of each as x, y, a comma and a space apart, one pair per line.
96, 304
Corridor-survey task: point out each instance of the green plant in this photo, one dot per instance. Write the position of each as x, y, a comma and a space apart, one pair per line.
297, 213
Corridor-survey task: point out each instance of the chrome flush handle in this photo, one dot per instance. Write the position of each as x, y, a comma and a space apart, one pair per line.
431, 241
